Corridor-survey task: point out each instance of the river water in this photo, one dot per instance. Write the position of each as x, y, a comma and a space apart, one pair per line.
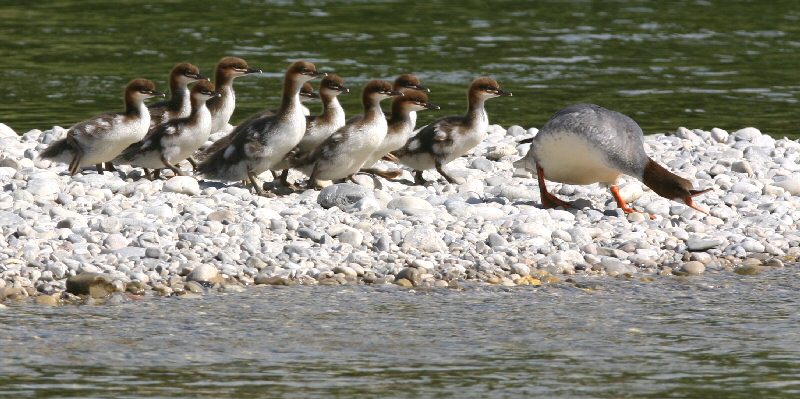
719, 335
693, 63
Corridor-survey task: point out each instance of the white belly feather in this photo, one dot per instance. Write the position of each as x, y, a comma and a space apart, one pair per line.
567, 158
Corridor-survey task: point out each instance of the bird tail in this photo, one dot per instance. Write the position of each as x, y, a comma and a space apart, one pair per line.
211, 163
58, 149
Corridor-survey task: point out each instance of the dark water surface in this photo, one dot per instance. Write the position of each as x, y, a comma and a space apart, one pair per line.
698, 64
720, 335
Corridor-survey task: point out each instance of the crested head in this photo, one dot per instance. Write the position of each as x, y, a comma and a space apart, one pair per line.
411, 101
409, 81
670, 185
136, 92
185, 73
232, 67
204, 90
332, 84
376, 90
307, 92
485, 87
141, 89
302, 71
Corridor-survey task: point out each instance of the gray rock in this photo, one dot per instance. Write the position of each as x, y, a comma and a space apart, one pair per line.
411, 274
703, 244
95, 285
791, 184
115, 241
204, 273
747, 134
10, 219
521, 269
410, 205
183, 185
613, 266
346, 270
424, 239
742, 167
352, 237
343, 195
496, 240
43, 185
693, 268
58, 269
497, 153
6, 131
153, 252
482, 164
311, 234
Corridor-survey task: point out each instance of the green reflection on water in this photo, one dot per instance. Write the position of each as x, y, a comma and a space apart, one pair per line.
698, 64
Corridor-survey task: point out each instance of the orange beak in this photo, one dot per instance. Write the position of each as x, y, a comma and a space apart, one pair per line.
690, 202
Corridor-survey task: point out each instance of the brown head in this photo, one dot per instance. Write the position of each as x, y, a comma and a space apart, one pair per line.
203, 90
376, 90
409, 81
411, 101
302, 71
232, 67
139, 89
183, 74
670, 185
484, 88
307, 92
332, 85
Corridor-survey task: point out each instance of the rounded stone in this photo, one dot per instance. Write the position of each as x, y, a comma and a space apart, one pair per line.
183, 185
343, 195
693, 268
115, 241
204, 273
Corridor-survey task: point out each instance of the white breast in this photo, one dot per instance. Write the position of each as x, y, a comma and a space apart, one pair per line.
568, 158
121, 133
349, 157
190, 139
223, 114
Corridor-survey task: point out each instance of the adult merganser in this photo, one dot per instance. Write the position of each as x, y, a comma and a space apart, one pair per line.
450, 137
343, 153
400, 127
175, 140
586, 143
319, 127
262, 141
221, 108
103, 137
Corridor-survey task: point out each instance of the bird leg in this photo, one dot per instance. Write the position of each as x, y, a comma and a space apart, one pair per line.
391, 158
440, 169
386, 174
76, 163
156, 173
110, 167
147, 174
172, 167
418, 179
252, 177
621, 202
193, 163
548, 200
99, 168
